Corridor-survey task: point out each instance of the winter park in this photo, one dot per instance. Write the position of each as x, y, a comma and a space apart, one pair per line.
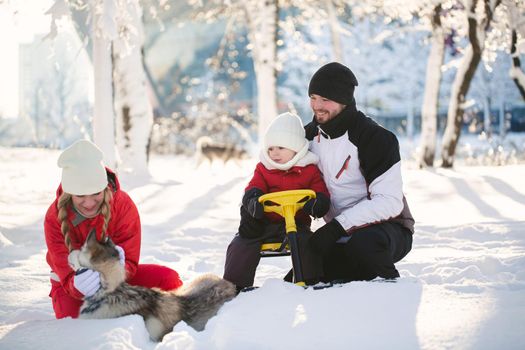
189, 104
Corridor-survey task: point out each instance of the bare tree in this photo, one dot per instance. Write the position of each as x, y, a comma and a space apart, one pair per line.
120, 81
134, 112
516, 15
432, 83
478, 25
335, 31
519, 79
103, 114
262, 19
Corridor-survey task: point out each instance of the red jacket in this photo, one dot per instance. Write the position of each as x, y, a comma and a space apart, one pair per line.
296, 178
123, 228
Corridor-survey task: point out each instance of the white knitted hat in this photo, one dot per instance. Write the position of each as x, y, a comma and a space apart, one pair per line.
285, 131
83, 172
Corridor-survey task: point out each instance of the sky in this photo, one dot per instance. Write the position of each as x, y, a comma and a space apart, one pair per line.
462, 286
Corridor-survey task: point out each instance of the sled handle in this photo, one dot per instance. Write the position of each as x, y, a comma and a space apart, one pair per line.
286, 204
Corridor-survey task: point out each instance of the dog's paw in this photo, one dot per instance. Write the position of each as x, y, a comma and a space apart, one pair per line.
73, 259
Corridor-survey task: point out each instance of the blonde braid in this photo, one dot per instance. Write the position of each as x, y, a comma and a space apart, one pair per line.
63, 203
105, 210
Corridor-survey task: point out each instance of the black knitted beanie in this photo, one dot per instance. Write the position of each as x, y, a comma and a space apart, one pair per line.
335, 82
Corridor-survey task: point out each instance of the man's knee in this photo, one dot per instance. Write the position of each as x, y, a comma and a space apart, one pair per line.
369, 250
366, 241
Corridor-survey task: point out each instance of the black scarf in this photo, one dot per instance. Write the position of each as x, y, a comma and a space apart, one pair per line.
333, 128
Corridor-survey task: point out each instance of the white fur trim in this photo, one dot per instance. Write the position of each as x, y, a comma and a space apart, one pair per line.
302, 158
73, 259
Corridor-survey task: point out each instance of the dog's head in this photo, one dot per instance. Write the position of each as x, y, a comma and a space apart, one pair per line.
93, 254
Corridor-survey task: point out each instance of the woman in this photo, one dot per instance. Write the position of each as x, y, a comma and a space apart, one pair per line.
89, 198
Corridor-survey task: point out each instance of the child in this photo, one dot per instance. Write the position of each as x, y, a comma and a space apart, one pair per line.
286, 164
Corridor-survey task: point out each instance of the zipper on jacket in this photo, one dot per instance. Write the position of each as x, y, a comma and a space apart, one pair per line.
319, 132
344, 167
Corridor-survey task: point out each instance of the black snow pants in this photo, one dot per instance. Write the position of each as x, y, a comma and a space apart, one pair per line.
243, 255
369, 252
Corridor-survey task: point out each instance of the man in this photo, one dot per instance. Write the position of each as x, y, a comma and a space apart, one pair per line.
369, 226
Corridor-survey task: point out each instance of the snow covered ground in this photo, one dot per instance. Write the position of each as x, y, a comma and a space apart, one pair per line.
462, 286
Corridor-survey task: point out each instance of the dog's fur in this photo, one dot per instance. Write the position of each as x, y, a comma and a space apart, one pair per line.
194, 303
209, 150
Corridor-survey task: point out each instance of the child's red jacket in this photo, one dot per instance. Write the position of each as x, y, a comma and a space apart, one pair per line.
306, 177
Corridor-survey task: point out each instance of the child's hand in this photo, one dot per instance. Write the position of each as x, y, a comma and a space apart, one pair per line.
250, 200
317, 207
255, 208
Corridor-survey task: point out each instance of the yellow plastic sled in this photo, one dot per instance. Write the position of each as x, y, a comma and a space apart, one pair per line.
286, 204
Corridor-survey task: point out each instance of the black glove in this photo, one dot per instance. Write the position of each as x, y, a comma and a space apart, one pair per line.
250, 201
318, 206
249, 226
324, 238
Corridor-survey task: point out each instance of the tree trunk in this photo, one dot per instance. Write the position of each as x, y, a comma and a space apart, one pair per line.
335, 32
516, 73
464, 75
132, 105
487, 118
455, 112
431, 97
103, 114
262, 17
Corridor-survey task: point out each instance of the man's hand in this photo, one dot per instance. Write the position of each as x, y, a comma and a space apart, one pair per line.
324, 238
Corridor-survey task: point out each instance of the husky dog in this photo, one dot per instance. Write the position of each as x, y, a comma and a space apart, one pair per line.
209, 150
194, 303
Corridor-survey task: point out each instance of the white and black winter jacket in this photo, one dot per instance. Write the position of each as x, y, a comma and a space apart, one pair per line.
361, 167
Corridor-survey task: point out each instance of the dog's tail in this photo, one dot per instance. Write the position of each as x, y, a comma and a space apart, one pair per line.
203, 297
202, 142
